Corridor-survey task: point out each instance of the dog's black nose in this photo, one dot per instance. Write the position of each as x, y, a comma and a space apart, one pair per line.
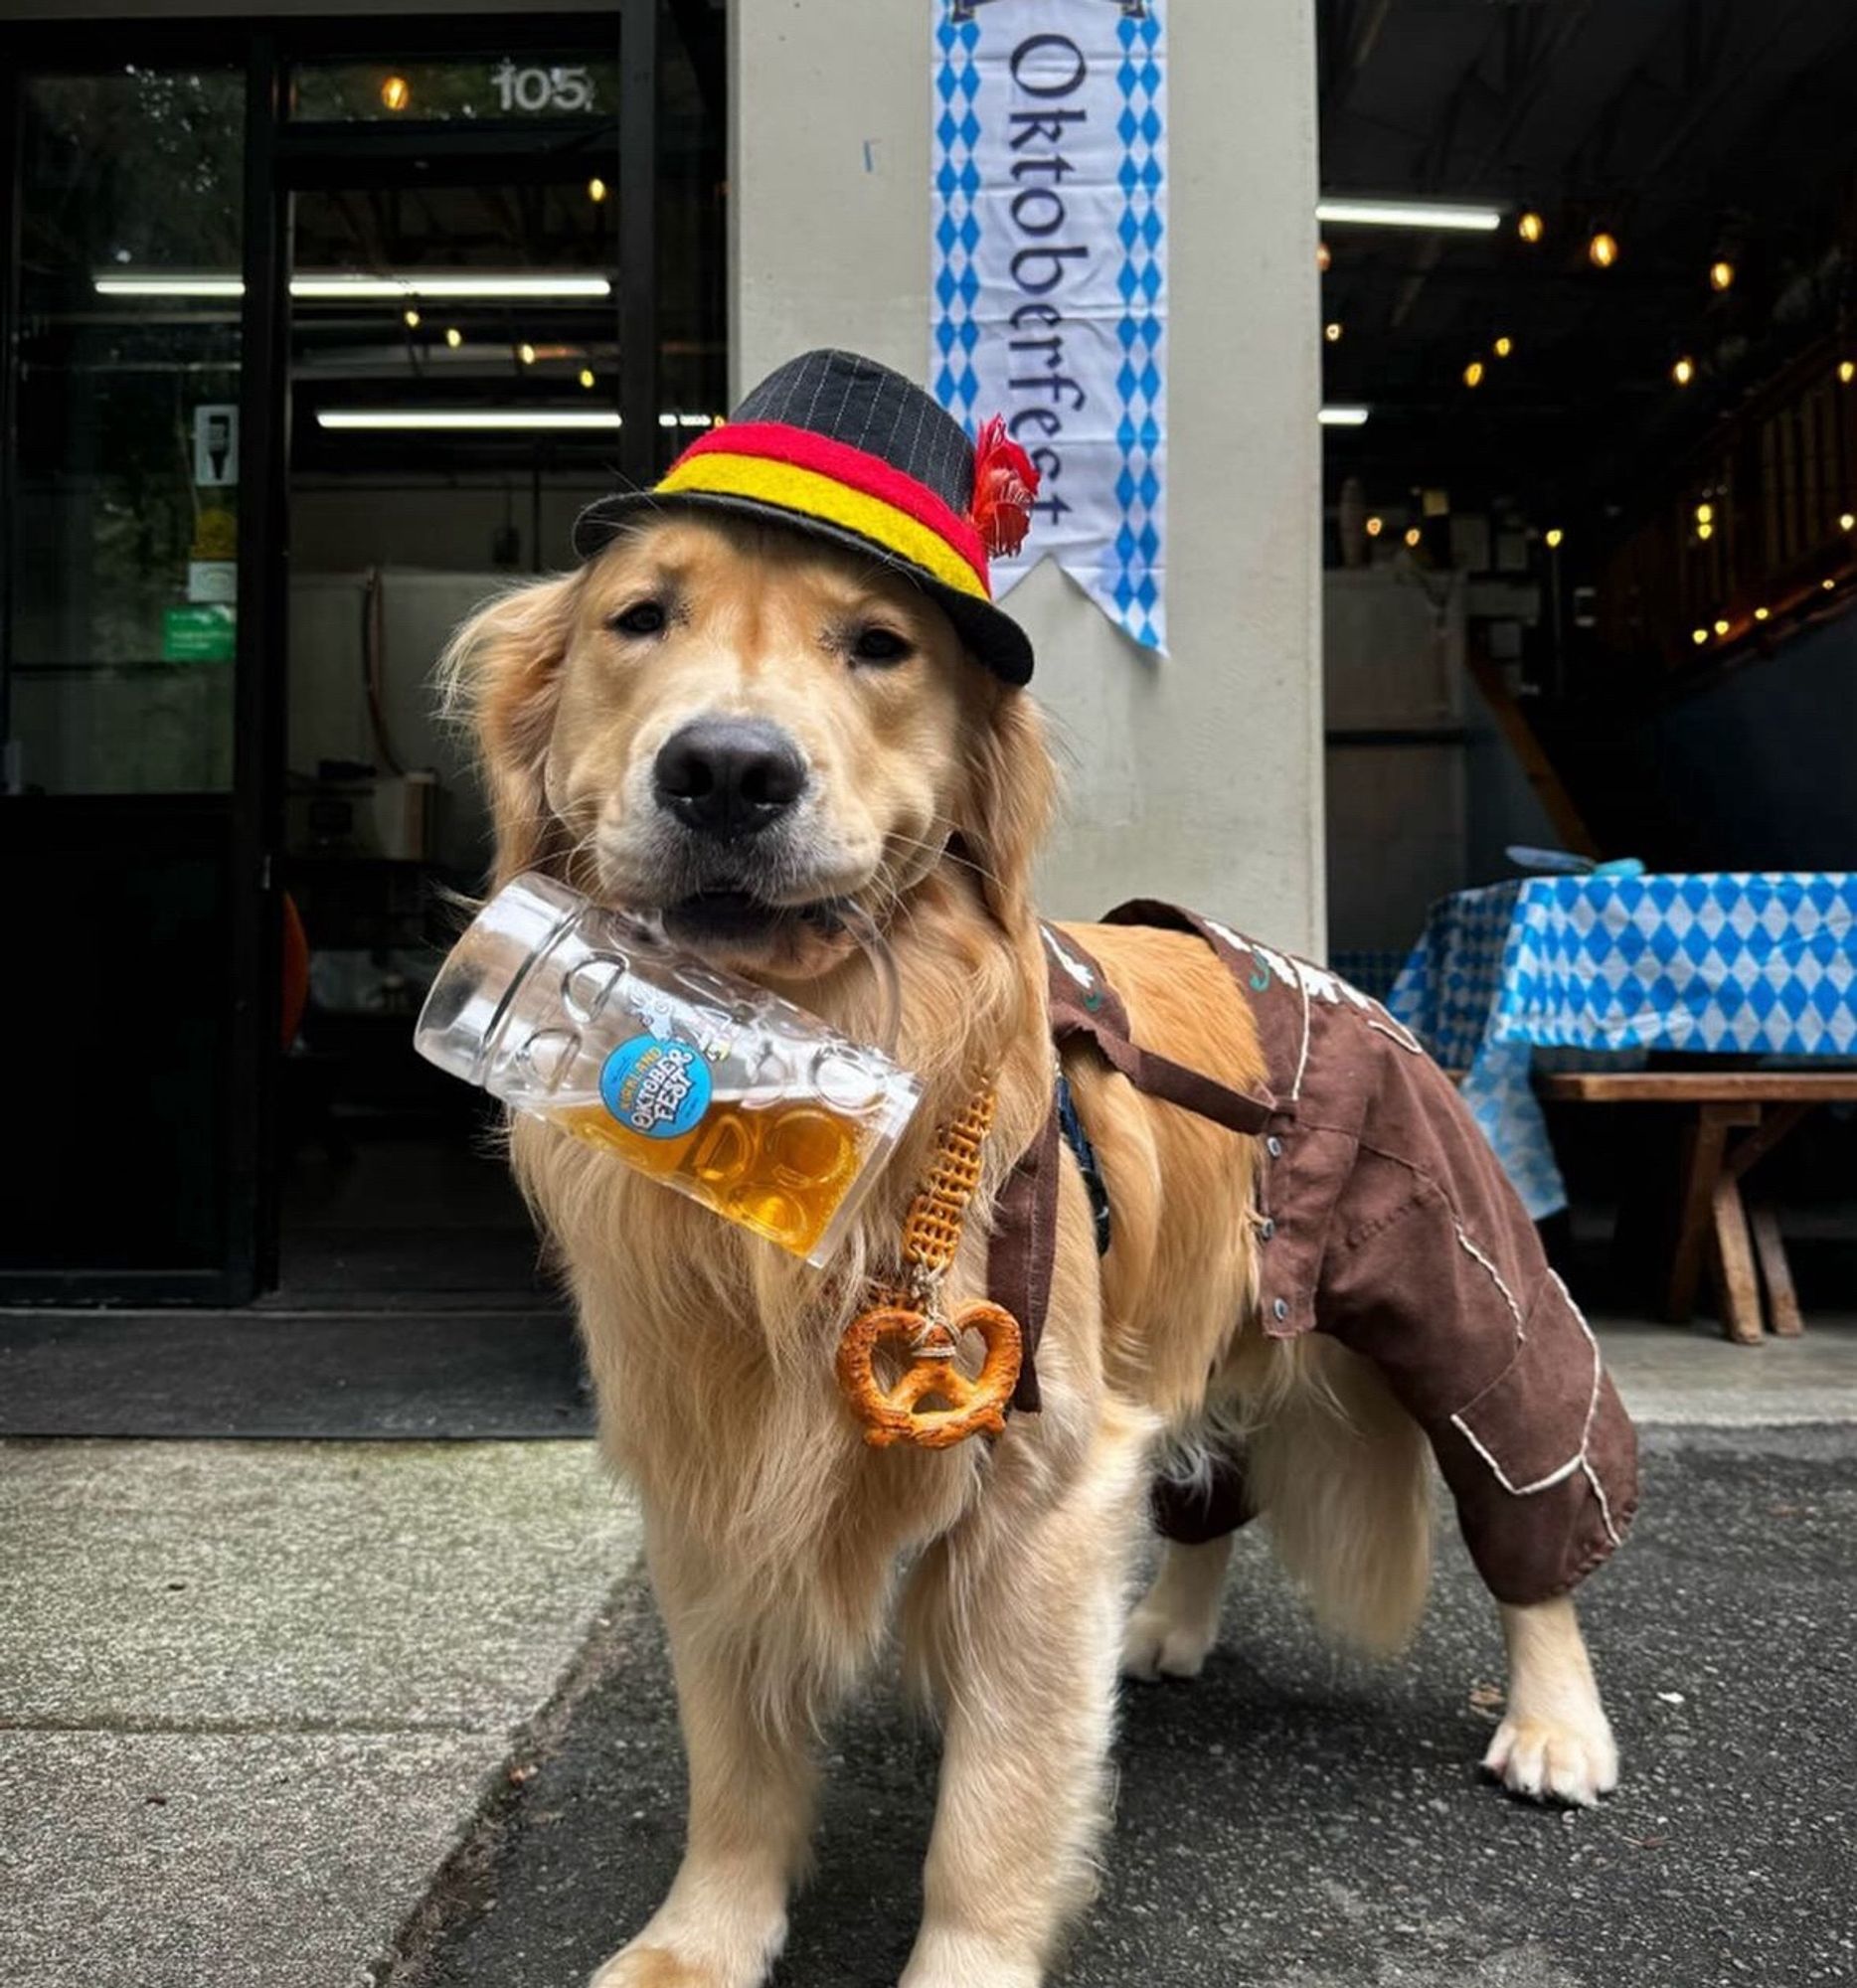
729, 776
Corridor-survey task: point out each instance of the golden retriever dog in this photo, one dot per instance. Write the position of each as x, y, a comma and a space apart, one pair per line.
886, 768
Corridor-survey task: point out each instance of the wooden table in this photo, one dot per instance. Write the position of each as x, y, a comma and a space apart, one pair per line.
1714, 1220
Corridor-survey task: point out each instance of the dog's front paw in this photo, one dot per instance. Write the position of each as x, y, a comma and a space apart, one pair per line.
652, 1966
1552, 1760
639, 1966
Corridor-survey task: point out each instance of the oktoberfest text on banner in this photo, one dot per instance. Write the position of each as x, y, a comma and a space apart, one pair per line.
1049, 290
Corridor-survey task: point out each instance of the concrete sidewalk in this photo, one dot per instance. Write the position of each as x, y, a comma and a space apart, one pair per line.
250, 1693
259, 1704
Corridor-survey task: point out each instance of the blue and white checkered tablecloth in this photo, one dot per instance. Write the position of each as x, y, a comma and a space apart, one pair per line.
1709, 963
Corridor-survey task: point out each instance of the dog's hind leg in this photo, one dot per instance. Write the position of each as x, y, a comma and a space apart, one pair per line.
1555, 1741
1176, 1623
1012, 1623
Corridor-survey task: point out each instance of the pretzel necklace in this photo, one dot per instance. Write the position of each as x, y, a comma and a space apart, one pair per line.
931, 1402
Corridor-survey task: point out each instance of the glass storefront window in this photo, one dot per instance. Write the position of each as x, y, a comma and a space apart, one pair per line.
561, 83
125, 592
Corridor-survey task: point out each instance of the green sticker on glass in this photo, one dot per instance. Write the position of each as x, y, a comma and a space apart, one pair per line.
198, 634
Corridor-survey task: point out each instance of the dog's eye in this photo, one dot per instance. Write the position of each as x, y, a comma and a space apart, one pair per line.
643, 617
880, 647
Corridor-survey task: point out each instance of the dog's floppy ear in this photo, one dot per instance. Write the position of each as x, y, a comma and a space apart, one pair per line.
1012, 794
501, 673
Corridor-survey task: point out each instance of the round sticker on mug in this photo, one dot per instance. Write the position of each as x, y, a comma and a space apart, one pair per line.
656, 1088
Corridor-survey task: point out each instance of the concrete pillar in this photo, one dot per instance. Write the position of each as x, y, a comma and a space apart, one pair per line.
1198, 777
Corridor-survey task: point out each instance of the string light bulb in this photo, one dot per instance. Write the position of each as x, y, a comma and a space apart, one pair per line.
1722, 275
1759, 613
1473, 373
1414, 536
1531, 227
1503, 346
396, 93
1602, 250
1705, 533
1699, 637
1830, 586
587, 376
526, 353
454, 337
1332, 332
1375, 526
1847, 371
1683, 372
1721, 627
1847, 522
1553, 537
1705, 514
1323, 258
412, 317
595, 191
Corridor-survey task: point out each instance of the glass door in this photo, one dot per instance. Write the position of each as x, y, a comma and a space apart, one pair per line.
484, 338
315, 333
131, 885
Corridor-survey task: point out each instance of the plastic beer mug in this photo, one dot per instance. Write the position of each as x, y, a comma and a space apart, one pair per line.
590, 1019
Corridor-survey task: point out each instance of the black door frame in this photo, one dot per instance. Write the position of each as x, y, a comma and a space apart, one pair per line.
282, 156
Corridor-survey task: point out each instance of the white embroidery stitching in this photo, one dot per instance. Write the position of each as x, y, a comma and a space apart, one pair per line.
1495, 1277
1581, 1461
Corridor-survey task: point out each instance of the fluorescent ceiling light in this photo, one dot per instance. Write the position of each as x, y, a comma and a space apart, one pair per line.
1342, 417
1425, 213
169, 286
413, 283
457, 420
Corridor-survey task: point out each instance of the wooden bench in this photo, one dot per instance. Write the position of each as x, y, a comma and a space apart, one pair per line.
1713, 1219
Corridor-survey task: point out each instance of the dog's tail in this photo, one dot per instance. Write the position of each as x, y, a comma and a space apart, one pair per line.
1342, 1475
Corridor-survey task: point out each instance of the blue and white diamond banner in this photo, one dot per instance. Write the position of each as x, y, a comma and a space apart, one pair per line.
1049, 287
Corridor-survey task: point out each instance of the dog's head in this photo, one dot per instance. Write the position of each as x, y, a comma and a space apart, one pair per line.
737, 724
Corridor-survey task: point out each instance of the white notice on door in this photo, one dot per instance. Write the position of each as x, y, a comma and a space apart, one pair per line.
215, 443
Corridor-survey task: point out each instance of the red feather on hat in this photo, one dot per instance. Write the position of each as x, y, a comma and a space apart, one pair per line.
1004, 484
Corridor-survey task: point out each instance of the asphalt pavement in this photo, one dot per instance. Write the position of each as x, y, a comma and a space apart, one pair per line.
1293, 1819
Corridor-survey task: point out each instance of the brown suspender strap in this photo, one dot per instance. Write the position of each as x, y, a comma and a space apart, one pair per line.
1084, 1004
1097, 1012
1156, 1075
1024, 1247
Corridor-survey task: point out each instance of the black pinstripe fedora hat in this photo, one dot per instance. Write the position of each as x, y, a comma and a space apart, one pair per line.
843, 447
